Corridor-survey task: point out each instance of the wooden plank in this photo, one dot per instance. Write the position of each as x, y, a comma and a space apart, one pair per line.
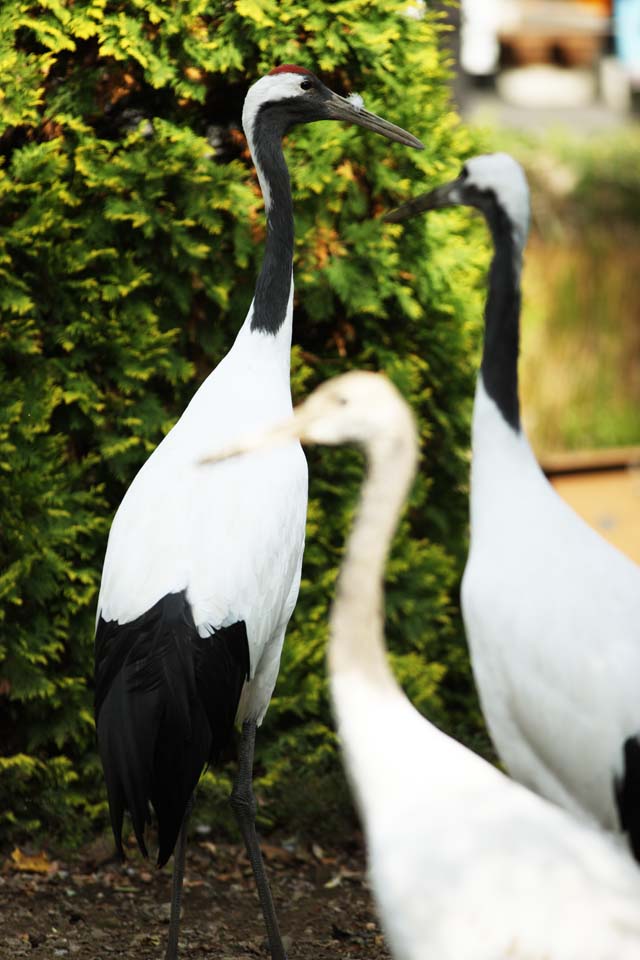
609, 500
585, 461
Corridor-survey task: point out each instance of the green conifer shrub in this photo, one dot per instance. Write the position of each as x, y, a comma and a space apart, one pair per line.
131, 235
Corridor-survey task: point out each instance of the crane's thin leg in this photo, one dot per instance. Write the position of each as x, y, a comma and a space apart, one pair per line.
176, 886
244, 807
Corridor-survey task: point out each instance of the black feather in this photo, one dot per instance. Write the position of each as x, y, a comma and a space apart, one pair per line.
627, 790
274, 280
502, 315
165, 704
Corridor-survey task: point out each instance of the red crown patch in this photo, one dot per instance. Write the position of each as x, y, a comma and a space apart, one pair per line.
290, 68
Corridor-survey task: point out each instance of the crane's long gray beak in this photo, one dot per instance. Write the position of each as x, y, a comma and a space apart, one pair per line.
339, 108
277, 436
447, 195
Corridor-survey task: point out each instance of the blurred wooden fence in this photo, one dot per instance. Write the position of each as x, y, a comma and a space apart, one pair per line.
603, 486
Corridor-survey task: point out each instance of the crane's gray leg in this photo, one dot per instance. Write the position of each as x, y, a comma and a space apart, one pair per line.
244, 806
176, 885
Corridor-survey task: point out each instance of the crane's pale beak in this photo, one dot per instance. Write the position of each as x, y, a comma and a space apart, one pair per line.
277, 436
339, 108
447, 195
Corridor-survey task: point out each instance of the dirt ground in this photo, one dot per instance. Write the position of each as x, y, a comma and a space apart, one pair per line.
90, 907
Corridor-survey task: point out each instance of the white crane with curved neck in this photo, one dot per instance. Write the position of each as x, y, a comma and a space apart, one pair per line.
465, 864
201, 573
551, 610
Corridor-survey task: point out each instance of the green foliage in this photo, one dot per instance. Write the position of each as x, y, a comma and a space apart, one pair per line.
128, 252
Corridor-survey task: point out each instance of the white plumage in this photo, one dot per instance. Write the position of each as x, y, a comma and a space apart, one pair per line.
552, 613
233, 540
551, 610
464, 863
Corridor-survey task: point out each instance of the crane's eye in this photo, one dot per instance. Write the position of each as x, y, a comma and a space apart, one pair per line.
306, 85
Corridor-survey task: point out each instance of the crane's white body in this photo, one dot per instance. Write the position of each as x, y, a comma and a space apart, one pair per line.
233, 539
466, 864
551, 610
552, 614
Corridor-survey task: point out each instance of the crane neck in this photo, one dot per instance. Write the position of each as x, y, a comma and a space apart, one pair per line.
357, 618
502, 318
273, 286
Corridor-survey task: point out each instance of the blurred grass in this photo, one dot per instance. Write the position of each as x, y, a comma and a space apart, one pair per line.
580, 354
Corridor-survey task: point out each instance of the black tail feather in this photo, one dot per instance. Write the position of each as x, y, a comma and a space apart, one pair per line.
627, 793
165, 704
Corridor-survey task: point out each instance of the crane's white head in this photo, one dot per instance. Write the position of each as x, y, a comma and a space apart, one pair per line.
494, 183
358, 407
290, 95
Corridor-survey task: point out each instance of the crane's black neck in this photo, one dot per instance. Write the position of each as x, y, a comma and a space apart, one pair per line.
274, 281
502, 318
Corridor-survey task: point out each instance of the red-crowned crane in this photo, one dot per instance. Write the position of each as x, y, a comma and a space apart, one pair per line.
464, 863
551, 610
202, 571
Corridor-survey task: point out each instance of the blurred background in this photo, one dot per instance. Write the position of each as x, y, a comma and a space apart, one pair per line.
557, 83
